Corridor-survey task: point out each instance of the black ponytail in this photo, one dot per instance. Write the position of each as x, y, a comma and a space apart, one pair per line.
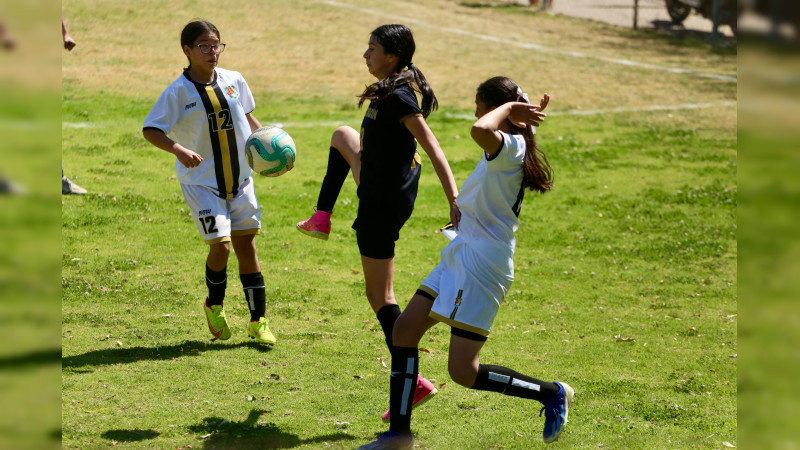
537, 174
397, 40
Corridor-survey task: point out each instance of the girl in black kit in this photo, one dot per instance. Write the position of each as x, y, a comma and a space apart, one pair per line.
386, 168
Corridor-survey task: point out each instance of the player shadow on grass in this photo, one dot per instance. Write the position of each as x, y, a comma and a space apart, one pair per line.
127, 355
133, 435
30, 360
218, 433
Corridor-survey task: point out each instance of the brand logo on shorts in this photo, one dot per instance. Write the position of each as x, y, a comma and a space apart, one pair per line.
457, 304
232, 92
190, 106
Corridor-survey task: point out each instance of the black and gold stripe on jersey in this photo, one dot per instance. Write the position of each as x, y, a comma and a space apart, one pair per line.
222, 134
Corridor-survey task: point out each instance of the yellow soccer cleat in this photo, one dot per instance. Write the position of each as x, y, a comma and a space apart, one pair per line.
260, 332
217, 322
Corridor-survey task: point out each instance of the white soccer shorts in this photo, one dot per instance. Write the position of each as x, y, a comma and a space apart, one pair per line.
468, 288
217, 219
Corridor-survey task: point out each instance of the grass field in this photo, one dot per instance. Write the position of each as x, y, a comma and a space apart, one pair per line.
626, 273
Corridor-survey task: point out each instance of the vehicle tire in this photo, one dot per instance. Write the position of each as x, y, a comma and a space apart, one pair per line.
678, 11
731, 12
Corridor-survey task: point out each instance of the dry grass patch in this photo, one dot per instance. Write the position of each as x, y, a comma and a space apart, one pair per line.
313, 48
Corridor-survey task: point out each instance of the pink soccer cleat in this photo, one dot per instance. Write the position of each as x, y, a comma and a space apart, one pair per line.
425, 390
318, 226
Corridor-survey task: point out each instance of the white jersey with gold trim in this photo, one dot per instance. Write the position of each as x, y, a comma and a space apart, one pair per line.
491, 197
476, 269
210, 120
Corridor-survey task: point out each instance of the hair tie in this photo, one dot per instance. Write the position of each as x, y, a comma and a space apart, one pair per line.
521, 96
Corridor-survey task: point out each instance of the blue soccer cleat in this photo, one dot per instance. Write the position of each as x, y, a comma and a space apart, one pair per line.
391, 440
556, 411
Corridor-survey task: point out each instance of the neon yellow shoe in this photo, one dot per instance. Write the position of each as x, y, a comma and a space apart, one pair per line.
217, 322
260, 332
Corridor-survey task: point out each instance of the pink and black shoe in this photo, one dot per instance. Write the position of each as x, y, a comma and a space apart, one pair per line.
318, 226
424, 392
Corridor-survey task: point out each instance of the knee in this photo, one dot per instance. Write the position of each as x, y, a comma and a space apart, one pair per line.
343, 137
344, 131
220, 249
377, 295
246, 245
462, 373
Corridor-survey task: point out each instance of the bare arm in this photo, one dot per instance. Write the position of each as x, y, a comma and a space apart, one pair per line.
485, 131
423, 134
254, 123
187, 157
69, 43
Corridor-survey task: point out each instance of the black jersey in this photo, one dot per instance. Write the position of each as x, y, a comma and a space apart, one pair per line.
390, 164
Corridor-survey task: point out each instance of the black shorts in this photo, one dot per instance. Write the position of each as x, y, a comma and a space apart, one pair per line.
378, 225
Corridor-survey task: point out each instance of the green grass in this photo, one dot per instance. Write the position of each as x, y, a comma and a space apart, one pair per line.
625, 286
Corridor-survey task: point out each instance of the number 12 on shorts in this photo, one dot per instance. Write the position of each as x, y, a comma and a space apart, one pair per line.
209, 224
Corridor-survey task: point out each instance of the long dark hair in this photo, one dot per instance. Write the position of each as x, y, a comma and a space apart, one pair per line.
537, 174
397, 40
195, 29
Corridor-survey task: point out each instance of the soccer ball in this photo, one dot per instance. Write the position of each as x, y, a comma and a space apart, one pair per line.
270, 151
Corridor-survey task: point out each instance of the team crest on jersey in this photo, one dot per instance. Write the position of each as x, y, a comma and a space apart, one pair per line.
232, 92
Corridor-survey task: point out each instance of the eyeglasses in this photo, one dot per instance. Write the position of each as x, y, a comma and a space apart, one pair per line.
206, 48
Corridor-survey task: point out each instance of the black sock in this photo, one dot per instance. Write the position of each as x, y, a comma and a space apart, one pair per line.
216, 283
506, 381
333, 181
255, 294
402, 386
387, 316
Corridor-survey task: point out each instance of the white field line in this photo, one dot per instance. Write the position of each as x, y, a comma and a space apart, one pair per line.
571, 112
79, 124
594, 112
531, 46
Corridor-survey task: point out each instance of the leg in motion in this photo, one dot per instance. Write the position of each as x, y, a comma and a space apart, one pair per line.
344, 157
408, 330
254, 289
216, 281
466, 370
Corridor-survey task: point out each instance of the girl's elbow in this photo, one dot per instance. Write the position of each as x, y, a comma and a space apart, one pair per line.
482, 135
477, 132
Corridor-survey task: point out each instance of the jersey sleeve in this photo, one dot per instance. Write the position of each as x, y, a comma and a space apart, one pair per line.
511, 153
246, 97
164, 114
403, 103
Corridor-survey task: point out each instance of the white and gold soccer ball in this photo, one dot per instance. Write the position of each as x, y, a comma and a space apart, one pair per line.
270, 151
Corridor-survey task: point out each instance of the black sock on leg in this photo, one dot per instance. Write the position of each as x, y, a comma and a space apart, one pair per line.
387, 316
402, 386
333, 181
216, 281
506, 381
255, 294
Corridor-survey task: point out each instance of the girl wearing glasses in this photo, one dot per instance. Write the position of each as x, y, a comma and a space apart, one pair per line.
204, 118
